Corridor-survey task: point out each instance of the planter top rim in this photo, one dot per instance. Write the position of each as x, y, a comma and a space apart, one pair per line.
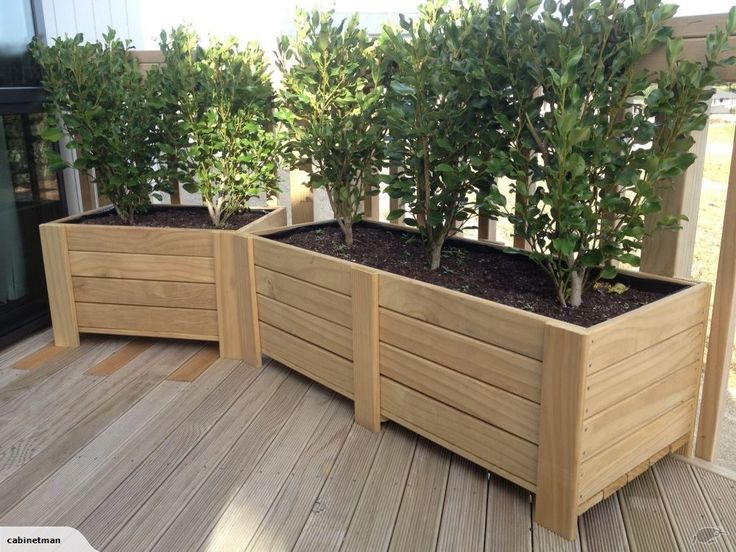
687, 285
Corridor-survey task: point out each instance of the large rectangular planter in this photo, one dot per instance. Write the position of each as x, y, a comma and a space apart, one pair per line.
157, 282
567, 412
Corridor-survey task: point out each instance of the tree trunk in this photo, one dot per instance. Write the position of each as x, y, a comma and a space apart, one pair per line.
576, 289
435, 256
347, 228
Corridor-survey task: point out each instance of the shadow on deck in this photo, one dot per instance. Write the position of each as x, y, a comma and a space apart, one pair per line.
157, 445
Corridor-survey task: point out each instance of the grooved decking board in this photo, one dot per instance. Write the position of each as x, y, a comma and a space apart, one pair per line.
38, 358
375, 514
464, 516
719, 492
234, 530
148, 519
332, 511
509, 517
18, 350
88, 424
8, 375
195, 366
199, 516
418, 520
115, 438
602, 528
546, 541
281, 527
685, 505
206, 461
644, 515
120, 358
188, 418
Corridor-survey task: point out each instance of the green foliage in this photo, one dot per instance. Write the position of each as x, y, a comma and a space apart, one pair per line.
442, 129
329, 101
609, 137
96, 95
222, 143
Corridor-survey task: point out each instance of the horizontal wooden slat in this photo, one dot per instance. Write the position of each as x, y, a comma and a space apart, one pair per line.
610, 386
166, 268
496, 366
637, 330
148, 293
322, 366
316, 300
694, 49
495, 406
323, 333
497, 324
305, 265
148, 56
697, 26
484, 444
603, 469
606, 427
274, 218
145, 241
147, 321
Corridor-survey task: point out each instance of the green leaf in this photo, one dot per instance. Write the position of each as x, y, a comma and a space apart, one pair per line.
396, 214
731, 24
52, 134
402, 89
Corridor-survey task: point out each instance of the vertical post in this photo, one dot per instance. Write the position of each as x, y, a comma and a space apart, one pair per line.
723, 323
237, 309
371, 204
88, 192
302, 200
366, 376
59, 285
394, 204
486, 228
671, 253
561, 428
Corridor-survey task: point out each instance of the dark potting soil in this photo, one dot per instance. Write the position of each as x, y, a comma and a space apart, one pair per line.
477, 270
174, 217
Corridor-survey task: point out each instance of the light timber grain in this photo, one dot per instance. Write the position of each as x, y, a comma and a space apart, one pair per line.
148, 293
59, 284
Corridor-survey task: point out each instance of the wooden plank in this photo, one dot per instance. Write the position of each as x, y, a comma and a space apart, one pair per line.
637, 410
509, 517
366, 373
301, 197
723, 326
375, 514
302, 295
615, 383
492, 405
16, 351
371, 204
199, 515
275, 217
566, 355
167, 268
692, 520
195, 366
697, 26
315, 268
602, 528
182, 242
318, 331
59, 284
330, 516
545, 540
149, 293
148, 507
645, 517
237, 311
496, 366
318, 364
38, 358
148, 56
486, 228
464, 515
719, 494
233, 531
281, 527
148, 321
418, 520
637, 330
693, 49
120, 358
599, 471
506, 327
499, 451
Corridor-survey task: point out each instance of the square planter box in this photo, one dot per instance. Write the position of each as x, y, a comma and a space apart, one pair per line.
567, 412
158, 282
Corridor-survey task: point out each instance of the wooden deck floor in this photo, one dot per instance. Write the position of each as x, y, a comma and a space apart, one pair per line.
113, 439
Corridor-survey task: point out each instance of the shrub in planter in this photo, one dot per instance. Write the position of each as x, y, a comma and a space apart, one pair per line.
329, 100
442, 132
96, 95
220, 139
610, 137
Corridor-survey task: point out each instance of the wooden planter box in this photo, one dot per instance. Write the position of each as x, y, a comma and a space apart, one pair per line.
567, 412
159, 282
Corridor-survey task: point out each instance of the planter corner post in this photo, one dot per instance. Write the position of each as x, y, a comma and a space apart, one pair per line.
366, 376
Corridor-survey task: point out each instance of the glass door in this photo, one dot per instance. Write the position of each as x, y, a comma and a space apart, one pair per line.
30, 193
